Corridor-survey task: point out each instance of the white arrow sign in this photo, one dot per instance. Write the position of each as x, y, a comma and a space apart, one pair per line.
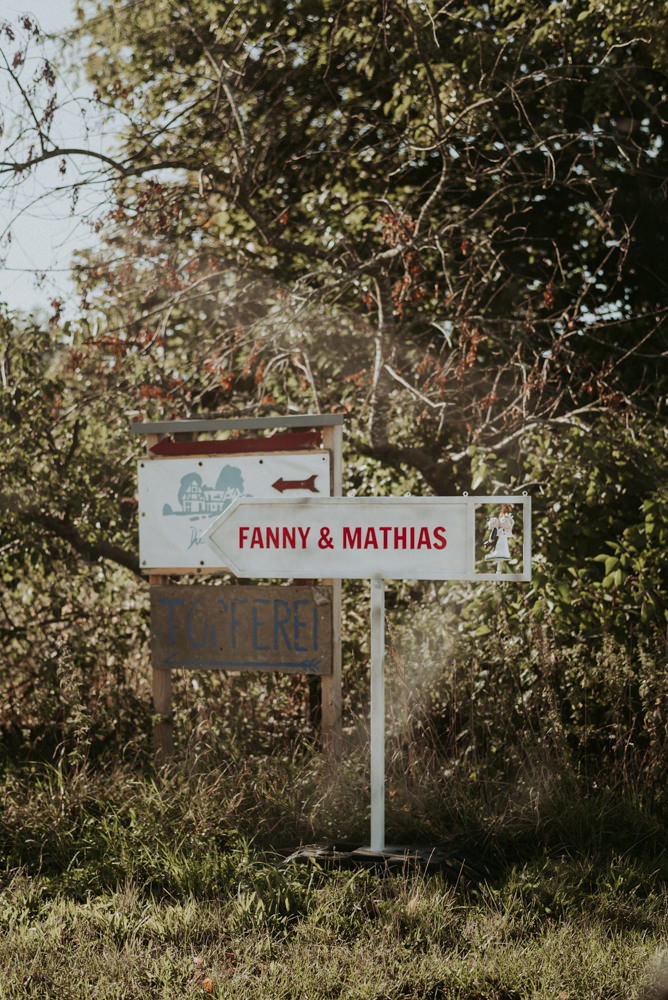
392, 537
427, 538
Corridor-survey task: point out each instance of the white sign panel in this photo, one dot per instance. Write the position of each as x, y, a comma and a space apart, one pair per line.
179, 498
427, 538
392, 537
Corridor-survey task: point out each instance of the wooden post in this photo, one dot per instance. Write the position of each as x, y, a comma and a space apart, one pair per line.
163, 728
161, 682
332, 437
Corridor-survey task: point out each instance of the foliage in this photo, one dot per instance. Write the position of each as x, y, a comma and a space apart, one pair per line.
515, 705
440, 219
600, 565
71, 621
444, 220
444, 216
75, 621
598, 532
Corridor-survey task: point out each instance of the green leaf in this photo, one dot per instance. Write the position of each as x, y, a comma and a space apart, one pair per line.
482, 630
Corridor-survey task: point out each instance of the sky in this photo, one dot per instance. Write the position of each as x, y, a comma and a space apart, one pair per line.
34, 267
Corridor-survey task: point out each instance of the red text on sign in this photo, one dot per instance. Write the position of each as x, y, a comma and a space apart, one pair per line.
394, 538
273, 538
379, 538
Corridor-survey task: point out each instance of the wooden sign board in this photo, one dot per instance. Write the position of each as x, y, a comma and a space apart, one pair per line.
179, 498
242, 628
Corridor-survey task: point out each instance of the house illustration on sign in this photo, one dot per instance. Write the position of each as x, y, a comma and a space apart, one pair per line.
196, 498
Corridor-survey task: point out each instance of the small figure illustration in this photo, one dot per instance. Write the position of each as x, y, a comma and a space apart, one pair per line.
500, 531
493, 529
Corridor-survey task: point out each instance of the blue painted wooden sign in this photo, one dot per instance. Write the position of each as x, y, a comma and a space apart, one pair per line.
242, 628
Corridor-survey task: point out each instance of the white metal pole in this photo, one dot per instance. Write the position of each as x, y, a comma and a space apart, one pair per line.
377, 714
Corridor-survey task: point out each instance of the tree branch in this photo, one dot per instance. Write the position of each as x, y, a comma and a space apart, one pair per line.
439, 475
8, 166
62, 527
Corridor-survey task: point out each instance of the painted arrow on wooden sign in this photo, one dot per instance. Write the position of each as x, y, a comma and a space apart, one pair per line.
296, 484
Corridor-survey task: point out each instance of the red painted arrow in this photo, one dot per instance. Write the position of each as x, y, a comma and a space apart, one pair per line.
296, 484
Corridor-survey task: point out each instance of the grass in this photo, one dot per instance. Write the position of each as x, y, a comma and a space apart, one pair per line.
119, 883
119, 880
357, 935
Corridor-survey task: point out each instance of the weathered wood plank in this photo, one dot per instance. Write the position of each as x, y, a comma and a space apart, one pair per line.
277, 442
198, 425
332, 701
242, 628
161, 685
